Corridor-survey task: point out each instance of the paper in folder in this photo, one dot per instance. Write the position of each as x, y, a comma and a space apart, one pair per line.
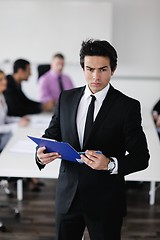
64, 149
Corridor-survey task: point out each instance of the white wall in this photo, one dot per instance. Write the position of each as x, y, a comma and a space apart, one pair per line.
37, 29
135, 35
28, 28
146, 91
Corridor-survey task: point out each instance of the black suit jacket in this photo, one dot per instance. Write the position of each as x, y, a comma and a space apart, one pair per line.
117, 129
17, 102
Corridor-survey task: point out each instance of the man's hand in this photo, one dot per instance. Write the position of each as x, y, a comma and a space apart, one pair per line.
48, 106
24, 121
46, 158
95, 160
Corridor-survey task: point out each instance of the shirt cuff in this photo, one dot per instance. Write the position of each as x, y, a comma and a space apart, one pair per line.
40, 162
115, 170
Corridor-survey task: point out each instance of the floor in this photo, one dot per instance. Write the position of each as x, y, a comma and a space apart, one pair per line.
36, 220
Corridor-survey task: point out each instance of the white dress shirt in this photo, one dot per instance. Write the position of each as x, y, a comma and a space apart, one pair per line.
82, 113
7, 123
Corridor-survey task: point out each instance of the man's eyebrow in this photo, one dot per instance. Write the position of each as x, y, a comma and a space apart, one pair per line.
103, 67
89, 67
98, 68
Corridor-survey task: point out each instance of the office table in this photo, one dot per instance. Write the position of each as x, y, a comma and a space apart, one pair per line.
152, 173
20, 162
18, 157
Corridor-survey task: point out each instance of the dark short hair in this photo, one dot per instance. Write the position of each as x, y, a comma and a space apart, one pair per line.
58, 55
96, 47
20, 64
1, 71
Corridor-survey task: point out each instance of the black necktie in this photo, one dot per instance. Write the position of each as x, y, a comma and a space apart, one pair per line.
60, 83
89, 118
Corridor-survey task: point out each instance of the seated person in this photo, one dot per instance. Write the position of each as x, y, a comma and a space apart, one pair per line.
18, 104
53, 82
7, 123
156, 116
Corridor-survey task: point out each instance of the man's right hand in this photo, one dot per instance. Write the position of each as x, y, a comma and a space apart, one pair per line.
48, 106
46, 158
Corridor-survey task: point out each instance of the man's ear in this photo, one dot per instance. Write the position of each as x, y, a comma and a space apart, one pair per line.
20, 71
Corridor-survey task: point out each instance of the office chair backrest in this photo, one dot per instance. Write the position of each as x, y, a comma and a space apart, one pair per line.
42, 69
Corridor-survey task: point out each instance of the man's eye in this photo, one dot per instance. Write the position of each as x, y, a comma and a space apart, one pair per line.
90, 69
103, 69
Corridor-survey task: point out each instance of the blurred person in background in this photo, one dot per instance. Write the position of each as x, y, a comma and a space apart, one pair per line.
8, 124
18, 103
53, 82
156, 116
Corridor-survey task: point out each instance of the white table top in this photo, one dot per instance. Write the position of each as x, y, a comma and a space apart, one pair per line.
18, 157
21, 163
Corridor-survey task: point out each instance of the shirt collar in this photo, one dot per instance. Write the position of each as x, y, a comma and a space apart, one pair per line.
54, 73
99, 95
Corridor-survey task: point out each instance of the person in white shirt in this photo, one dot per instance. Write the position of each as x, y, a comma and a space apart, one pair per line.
8, 124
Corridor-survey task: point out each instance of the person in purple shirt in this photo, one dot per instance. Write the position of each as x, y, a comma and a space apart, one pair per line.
53, 82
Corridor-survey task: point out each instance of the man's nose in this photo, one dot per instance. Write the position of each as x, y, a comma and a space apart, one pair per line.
95, 75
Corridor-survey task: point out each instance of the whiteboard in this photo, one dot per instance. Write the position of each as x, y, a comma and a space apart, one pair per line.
37, 29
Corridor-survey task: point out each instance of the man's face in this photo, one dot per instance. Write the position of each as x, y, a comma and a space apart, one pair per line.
57, 64
97, 72
24, 74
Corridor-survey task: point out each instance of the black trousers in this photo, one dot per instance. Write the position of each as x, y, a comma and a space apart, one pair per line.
72, 224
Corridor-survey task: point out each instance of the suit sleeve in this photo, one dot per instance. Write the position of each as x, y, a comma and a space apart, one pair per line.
52, 132
137, 156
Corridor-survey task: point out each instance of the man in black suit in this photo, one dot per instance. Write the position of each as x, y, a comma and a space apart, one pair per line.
92, 194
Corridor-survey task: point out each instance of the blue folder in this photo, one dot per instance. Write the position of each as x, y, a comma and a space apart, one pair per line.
64, 149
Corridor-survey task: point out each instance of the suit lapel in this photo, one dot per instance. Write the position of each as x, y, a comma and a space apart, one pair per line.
106, 106
103, 112
77, 99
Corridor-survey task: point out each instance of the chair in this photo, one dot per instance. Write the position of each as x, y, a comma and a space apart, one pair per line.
4, 184
42, 69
